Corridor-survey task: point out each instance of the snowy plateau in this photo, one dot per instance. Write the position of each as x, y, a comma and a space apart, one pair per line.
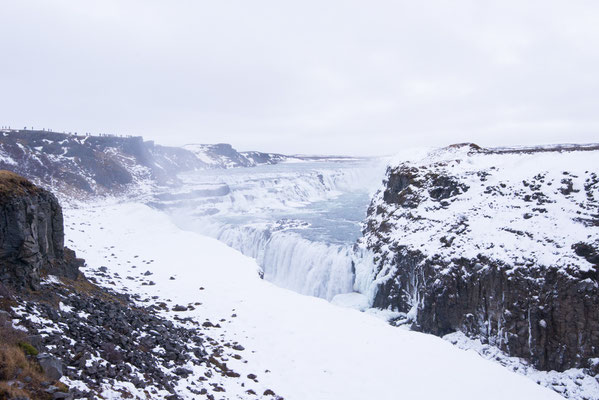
277, 276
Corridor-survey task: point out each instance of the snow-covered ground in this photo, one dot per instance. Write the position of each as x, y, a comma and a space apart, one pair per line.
301, 347
573, 383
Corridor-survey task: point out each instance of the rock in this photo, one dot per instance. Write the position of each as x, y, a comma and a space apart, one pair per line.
52, 366
5, 315
4, 292
546, 314
35, 340
588, 252
32, 240
62, 395
183, 372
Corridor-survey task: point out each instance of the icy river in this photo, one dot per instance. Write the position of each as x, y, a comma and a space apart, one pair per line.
300, 221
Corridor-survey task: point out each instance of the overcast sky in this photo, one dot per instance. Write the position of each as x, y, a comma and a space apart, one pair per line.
335, 77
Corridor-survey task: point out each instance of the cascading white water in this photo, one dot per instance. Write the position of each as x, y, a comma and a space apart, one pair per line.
288, 260
294, 220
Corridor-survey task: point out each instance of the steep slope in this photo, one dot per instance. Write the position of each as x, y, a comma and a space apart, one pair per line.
98, 165
83, 164
499, 244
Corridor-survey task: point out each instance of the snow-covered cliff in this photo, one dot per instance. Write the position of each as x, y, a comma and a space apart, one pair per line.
85, 164
500, 244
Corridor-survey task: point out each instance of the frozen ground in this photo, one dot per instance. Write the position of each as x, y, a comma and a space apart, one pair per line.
573, 383
301, 347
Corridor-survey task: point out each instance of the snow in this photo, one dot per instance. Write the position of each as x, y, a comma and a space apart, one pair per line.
208, 154
353, 300
64, 307
5, 158
495, 216
313, 349
201, 152
573, 383
50, 279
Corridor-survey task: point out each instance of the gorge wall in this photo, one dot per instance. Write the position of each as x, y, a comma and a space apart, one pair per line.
74, 164
500, 245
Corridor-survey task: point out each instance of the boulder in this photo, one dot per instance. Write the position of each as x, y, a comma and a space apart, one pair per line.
52, 366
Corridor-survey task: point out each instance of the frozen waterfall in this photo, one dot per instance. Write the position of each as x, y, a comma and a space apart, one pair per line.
300, 222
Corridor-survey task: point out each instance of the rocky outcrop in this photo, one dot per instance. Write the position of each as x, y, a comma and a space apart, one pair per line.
500, 245
96, 338
31, 235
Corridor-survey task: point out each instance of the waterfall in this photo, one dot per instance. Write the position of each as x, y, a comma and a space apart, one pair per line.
248, 218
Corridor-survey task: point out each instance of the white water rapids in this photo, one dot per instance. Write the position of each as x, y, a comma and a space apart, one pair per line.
299, 221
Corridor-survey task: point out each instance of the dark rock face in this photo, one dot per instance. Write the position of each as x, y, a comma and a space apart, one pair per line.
499, 288
587, 251
31, 235
540, 314
399, 188
401, 185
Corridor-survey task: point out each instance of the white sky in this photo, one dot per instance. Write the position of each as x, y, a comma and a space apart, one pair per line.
335, 77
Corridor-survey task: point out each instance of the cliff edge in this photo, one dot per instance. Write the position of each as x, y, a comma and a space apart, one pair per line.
501, 245
31, 235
